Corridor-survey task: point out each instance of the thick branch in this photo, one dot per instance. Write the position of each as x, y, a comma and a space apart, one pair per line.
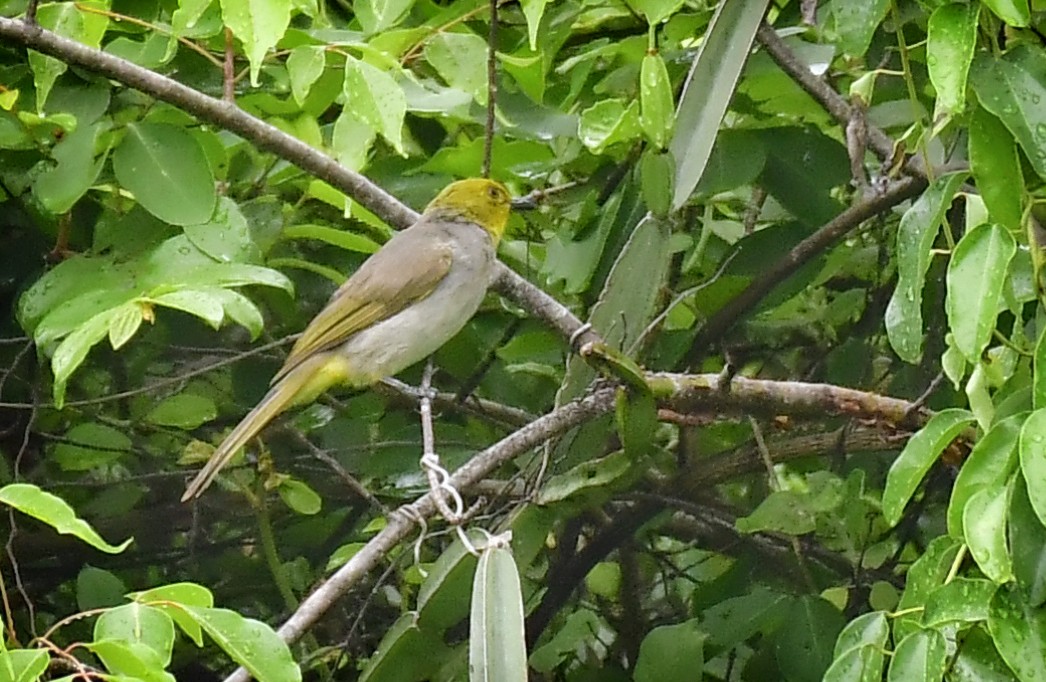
739, 306
401, 522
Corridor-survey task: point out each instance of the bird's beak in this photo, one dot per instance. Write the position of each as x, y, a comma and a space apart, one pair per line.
525, 203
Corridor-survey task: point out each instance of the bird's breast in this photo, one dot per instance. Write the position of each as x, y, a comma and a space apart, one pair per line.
417, 331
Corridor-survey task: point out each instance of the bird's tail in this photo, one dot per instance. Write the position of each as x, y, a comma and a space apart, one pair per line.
285, 393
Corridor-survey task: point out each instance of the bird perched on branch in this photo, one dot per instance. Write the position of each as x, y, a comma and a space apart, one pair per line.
402, 304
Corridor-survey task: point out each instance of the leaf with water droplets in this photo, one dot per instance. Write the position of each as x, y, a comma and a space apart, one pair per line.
915, 237
1013, 87
1033, 460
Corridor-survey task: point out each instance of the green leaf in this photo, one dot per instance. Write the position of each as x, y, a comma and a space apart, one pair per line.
855, 23
867, 629
533, 10
55, 512
376, 16
646, 251
922, 655
925, 575
783, 511
984, 523
1033, 460
249, 642
406, 651
656, 173
166, 170
1013, 88
169, 598
461, 60
75, 169
803, 649
300, 497
137, 623
183, 410
72, 351
671, 653
589, 476
305, 65
376, 99
1038, 396
23, 665
497, 643
608, 122
915, 237
996, 167
259, 25
709, 87
352, 141
918, 456
97, 588
990, 464
951, 37
68, 21
1019, 633
963, 600
1013, 12
340, 238
89, 445
203, 303
1027, 545
443, 596
132, 659
226, 236
976, 275
656, 11
125, 322
656, 108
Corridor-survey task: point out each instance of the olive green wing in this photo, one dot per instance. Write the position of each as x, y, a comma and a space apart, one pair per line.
407, 269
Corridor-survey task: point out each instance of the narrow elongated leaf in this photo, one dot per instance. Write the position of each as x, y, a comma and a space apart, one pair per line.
1027, 545
917, 457
55, 512
951, 36
1033, 460
708, 89
915, 237
990, 463
656, 110
497, 643
996, 167
976, 275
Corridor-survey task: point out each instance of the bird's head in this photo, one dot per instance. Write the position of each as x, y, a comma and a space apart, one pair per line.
477, 200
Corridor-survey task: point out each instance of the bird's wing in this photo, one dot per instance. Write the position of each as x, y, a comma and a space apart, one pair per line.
405, 270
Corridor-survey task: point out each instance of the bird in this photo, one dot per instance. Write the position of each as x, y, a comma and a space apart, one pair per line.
403, 303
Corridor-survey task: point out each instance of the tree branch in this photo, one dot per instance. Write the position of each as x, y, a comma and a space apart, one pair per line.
228, 116
821, 240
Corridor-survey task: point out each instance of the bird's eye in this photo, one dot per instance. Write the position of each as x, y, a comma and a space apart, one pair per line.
496, 193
